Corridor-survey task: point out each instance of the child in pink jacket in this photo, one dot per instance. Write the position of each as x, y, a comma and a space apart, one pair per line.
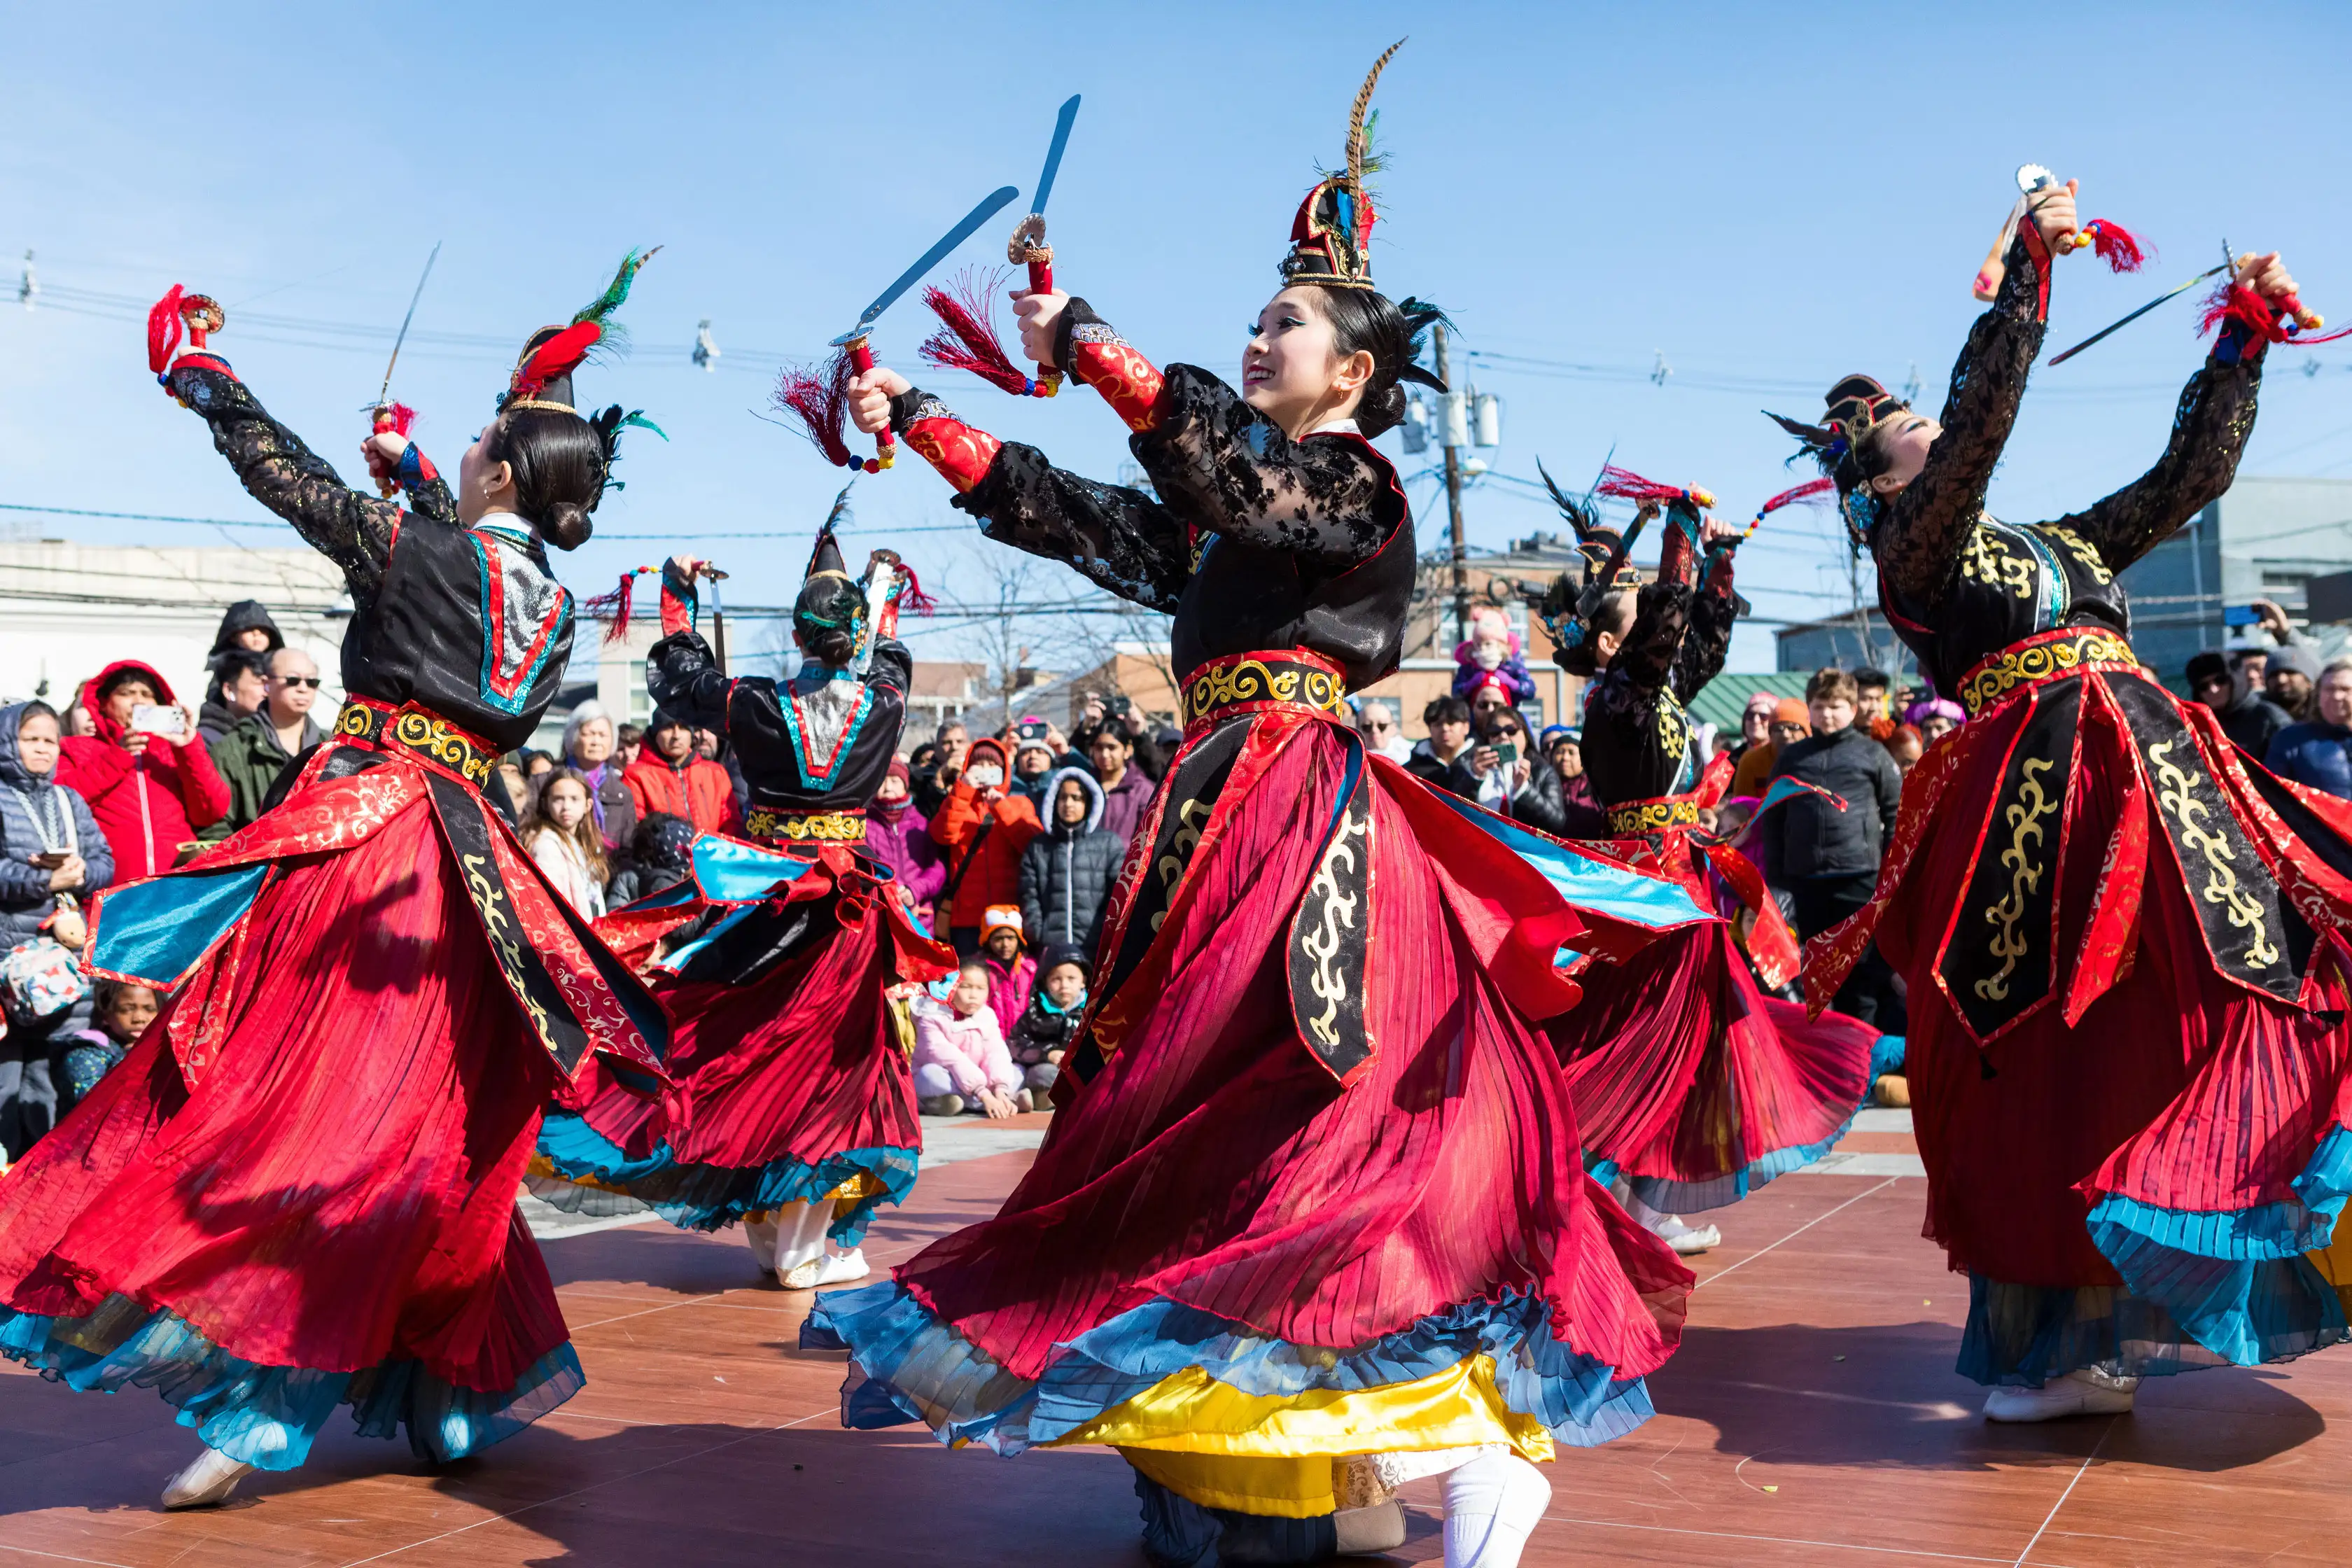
960, 1060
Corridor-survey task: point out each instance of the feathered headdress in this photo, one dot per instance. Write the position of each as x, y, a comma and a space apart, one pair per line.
1331, 238
543, 374
829, 596
1568, 610
1854, 407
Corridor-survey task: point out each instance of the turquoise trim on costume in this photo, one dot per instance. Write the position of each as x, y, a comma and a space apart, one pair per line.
908, 1365
2024, 1335
731, 871
1669, 1196
2326, 1180
707, 1197
554, 632
155, 930
822, 778
1584, 881
1886, 1055
267, 1416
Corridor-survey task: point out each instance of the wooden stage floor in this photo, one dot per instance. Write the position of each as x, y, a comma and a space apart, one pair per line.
1811, 1417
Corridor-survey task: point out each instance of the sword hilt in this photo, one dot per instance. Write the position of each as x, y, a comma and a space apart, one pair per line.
885, 446
386, 486
2310, 321
1028, 247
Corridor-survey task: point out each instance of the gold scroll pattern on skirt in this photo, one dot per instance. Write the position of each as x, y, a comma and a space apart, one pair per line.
2174, 795
2025, 862
1225, 683
2037, 659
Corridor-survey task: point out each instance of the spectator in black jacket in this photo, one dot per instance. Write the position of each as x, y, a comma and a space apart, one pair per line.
1067, 871
2251, 720
1827, 858
1446, 758
1522, 785
1048, 1026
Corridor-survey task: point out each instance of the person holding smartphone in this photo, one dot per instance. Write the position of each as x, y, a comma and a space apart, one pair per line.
1512, 780
146, 773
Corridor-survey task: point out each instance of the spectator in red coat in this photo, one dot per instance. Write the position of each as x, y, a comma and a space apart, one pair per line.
669, 775
983, 825
149, 792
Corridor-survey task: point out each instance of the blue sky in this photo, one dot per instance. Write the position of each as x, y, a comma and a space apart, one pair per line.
1767, 196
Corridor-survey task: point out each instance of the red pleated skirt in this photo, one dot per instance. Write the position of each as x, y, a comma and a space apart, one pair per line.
338, 1191
1213, 1161
1696, 1086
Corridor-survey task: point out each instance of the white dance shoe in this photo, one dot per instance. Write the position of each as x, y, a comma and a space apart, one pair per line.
205, 1483
2085, 1392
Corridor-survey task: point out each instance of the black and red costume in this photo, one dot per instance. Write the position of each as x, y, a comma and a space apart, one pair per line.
297, 1190
1691, 1084
2124, 941
1312, 1196
792, 1077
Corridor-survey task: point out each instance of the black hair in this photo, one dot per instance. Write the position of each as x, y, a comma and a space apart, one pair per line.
35, 710
1502, 716
825, 619
232, 662
560, 462
1871, 677
1446, 709
1364, 322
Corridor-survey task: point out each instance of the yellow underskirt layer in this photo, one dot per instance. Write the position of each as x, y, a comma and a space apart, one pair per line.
2334, 1264
1279, 1454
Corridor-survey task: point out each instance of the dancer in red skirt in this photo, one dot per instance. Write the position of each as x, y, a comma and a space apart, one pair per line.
2125, 943
1692, 1086
1310, 1220
794, 1105
298, 1191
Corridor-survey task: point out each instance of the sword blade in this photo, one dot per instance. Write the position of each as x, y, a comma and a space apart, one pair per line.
387, 389
995, 203
1053, 154
2136, 315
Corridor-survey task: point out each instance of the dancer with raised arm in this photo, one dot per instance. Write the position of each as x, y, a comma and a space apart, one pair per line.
2124, 944
794, 1104
1309, 1222
297, 1190
1692, 1086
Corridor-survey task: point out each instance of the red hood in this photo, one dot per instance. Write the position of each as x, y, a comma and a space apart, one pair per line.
108, 729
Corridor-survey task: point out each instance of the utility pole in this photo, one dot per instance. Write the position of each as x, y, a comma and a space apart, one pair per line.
1454, 488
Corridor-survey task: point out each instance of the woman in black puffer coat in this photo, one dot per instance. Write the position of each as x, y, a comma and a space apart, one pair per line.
1067, 871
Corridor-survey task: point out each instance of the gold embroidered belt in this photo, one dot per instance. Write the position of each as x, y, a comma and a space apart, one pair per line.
2047, 655
1636, 817
1292, 678
805, 826
420, 732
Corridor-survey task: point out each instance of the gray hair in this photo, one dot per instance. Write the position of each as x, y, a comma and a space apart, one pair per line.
587, 714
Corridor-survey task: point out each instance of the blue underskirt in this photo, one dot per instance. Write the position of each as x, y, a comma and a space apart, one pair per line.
706, 1197
906, 1364
267, 1416
2024, 1335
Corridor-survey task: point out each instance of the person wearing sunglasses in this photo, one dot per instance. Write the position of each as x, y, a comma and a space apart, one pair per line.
259, 746
1376, 723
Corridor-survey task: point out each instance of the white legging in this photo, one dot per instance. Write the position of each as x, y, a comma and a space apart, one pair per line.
786, 1237
1492, 1506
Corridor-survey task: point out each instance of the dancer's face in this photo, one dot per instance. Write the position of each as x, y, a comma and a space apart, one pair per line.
1904, 443
1293, 371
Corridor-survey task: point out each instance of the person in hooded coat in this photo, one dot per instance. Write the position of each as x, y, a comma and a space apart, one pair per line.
52, 854
150, 792
1067, 871
244, 628
899, 834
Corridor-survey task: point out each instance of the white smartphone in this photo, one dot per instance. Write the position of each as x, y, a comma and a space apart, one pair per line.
154, 718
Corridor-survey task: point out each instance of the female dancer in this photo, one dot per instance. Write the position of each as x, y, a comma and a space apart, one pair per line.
1692, 1086
2124, 943
1309, 1222
794, 1103
298, 1189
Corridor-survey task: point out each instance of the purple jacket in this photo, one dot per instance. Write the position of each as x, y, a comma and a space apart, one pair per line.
1124, 805
904, 844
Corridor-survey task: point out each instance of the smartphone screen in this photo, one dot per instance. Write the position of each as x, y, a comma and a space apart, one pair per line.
153, 719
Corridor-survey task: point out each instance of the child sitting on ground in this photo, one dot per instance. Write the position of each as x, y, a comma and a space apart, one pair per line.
119, 1011
1049, 1024
960, 1062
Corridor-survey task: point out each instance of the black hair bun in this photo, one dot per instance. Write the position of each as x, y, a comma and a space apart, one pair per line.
567, 526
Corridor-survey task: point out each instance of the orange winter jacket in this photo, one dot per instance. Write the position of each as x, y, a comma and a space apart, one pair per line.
995, 877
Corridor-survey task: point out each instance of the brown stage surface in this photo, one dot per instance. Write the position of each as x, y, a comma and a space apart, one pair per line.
1811, 1417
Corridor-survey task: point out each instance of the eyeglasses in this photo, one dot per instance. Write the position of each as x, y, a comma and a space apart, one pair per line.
309, 680
1380, 723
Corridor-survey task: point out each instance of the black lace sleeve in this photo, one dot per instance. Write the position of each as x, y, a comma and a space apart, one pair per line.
1712, 611
1219, 461
1662, 620
2209, 434
353, 531
683, 679
1918, 542
892, 667
1117, 538
430, 498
